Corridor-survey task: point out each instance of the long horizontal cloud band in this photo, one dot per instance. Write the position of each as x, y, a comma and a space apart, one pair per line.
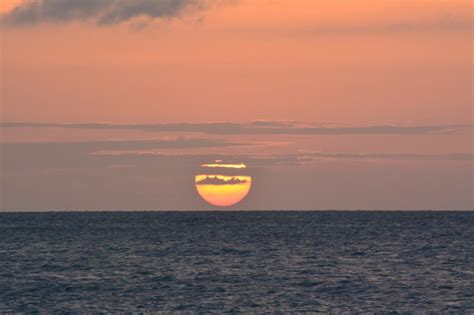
254, 128
66, 155
125, 145
293, 159
99, 11
107, 12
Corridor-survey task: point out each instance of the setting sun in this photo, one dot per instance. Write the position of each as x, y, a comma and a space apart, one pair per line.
236, 156
223, 190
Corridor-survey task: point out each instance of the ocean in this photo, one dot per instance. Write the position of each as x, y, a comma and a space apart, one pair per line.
214, 262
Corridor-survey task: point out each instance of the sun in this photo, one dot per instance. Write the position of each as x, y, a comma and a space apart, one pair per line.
224, 186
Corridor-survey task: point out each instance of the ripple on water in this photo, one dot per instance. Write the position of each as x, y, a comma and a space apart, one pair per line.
237, 262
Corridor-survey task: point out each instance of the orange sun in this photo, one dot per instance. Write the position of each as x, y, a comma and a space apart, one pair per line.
223, 190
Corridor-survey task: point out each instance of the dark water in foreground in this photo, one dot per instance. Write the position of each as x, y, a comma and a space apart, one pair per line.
231, 262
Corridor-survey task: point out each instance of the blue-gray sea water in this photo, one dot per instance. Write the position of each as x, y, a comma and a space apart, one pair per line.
214, 262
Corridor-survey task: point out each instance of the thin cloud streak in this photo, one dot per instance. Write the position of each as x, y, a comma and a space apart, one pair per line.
92, 146
99, 154
101, 12
73, 176
443, 24
302, 158
44, 155
255, 128
110, 12
393, 156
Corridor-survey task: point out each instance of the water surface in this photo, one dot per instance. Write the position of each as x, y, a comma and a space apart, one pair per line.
237, 261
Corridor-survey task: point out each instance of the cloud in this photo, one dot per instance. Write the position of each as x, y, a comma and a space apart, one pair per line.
87, 156
270, 123
93, 154
392, 156
313, 157
124, 145
256, 128
289, 159
443, 23
212, 180
102, 12
73, 176
107, 12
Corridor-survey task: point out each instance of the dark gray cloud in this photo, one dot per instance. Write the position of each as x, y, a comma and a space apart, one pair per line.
99, 11
255, 128
106, 12
212, 180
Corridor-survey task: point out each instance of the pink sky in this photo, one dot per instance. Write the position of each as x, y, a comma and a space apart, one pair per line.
327, 77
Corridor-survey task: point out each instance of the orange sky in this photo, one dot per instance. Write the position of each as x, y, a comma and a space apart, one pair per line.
249, 60
324, 62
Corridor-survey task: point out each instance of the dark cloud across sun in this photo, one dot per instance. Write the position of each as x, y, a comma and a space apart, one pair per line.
212, 180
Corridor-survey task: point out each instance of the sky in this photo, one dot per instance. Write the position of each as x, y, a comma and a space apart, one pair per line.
331, 104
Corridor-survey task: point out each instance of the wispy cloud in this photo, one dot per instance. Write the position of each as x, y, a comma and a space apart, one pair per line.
256, 128
93, 146
293, 159
71, 175
102, 12
108, 12
391, 156
39, 155
441, 23
147, 154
